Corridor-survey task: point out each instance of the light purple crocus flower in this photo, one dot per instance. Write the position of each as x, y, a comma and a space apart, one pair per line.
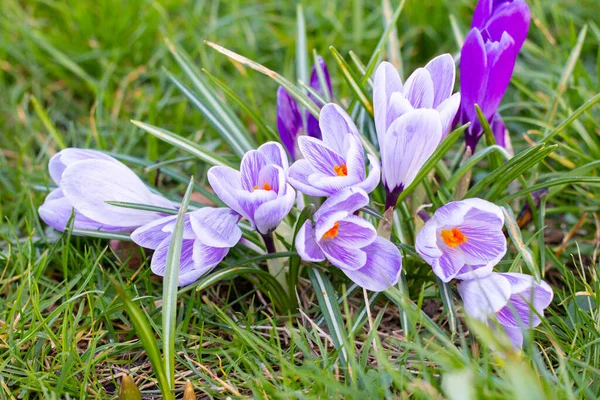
516, 300
463, 239
412, 119
259, 190
337, 161
208, 234
292, 123
350, 242
488, 58
86, 180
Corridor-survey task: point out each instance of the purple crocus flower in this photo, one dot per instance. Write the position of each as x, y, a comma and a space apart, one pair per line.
516, 300
488, 58
463, 239
350, 242
291, 123
337, 161
412, 119
259, 190
208, 234
86, 180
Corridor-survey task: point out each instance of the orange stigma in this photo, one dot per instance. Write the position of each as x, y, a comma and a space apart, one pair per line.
340, 170
453, 237
266, 186
333, 232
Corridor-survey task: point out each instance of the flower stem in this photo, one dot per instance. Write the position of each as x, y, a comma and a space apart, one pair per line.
391, 198
269, 243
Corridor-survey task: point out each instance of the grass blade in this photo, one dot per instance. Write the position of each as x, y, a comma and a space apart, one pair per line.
356, 87
43, 116
514, 232
143, 207
182, 143
555, 182
170, 280
576, 114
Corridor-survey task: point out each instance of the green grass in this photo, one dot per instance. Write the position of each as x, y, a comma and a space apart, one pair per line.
75, 73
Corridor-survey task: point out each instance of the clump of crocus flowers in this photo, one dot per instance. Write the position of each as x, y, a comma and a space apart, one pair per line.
462, 240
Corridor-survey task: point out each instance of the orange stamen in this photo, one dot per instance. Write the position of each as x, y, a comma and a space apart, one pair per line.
340, 170
453, 237
333, 232
266, 186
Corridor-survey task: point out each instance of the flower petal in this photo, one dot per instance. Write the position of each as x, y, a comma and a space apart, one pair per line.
442, 72
409, 142
335, 124
89, 184
159, 258
473, 63
306, 244
418, 89
250, 166
398, 105
511, 17
216, 227
275, 154
528, 299
348, 200
322, 157
355, 231
61, 160
382, 268
448, 109
501, 57
449, 264
387, 81
289, 120
151, 235
426, 242
484, 297
269, 214
298, 177
207, 257
500, 131
226, 182
372, 180
345, 258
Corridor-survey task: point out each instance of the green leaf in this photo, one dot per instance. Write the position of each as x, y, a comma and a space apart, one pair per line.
576, 114
447, 301
554, 182
48, 123
101, 234
294, 265
433, 160
328, 302
237, 140
144, 331
512, 227
143, 207
495, 160
472, 161
182, 143
294, 91
355, 85
301, 51
170, 281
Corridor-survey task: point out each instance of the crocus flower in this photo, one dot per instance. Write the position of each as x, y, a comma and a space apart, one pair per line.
516, 300
412, 119
208, 234
488, 58
86, 180
463, 239
291, 123
337, 161
259, 190
350, 242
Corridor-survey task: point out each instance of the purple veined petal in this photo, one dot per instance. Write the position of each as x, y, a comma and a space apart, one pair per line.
335, 124
348, 200
216, 227
486, 207
207, 257
485, 246
188, 232
449, 264
289, 120
275, 154
159, 258
409, 142
250, 166
501, 57
270, 177
332, 184
528, 299
419, 90
320, 156
442, 72
451, 214
57, 210
250, 201
448, 109
355, 231
226, 182
61, 160
482, 13
387, 81
426, 242
484, 297
515, 335
298, 177
469, 272
345, 258
473, 63
382, 268
269, 214
90, 184
151, 235
372, 180
398, 105
499, 130
511, 17
355, 157
327, 221
306, 244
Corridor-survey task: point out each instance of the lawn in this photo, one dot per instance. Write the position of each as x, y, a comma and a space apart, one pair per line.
148, 83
